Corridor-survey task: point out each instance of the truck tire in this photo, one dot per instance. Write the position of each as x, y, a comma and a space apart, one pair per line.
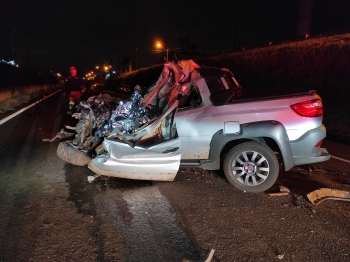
251, 167
72, 155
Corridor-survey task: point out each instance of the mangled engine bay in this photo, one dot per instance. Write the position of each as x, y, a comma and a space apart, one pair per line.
133, 122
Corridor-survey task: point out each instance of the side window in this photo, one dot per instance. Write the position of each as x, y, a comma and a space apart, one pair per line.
226, 81
232, 83
215, 84
189, 96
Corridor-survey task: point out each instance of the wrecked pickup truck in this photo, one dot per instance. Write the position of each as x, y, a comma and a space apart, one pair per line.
202, 119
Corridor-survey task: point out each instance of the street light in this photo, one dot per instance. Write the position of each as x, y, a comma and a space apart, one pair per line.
136, 58
97, 67
159, 45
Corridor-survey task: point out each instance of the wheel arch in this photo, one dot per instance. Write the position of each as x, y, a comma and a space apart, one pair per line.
271, 133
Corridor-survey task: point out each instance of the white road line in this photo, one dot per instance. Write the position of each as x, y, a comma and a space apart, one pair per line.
341, 159
210, 256
2, 121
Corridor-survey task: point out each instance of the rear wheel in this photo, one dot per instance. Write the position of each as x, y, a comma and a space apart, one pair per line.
72, 155
251, 167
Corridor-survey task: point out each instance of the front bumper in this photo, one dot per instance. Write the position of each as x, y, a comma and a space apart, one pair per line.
105, 166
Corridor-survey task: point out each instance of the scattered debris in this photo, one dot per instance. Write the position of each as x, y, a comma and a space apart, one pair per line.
280, 256
283, 192
92, 178
322, 194
284, 189
279, 194
61, 135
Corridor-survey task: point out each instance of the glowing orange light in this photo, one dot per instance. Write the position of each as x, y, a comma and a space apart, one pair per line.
159, 44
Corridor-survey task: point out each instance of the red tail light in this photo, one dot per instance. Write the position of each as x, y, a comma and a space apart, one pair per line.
319, 144
310, 108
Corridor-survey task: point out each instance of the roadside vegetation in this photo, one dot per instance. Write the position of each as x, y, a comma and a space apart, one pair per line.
11, 76
18, 86
320, 64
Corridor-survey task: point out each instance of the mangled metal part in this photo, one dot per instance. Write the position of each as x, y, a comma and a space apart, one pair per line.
128, 156
188, 68
149, 129
129, 114
136, 112
60, 135
84, 130
283, 192
91, 179
170, 75
323, 194
94, 115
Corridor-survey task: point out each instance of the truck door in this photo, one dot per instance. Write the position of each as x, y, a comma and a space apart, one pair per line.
151, 153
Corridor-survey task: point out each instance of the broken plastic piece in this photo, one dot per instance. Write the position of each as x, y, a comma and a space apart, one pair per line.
283, 192
322, 194
92, 178
284, 189
280, 256
279, 194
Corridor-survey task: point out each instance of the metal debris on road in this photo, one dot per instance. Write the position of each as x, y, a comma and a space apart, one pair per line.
60, 135
283, 192
284, 189
322, 194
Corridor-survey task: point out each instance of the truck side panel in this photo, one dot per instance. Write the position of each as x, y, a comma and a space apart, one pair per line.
269, 129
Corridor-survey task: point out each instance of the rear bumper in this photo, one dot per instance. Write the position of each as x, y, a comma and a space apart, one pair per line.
304, 150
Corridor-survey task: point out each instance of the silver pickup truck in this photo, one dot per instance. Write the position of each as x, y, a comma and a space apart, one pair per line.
209, 123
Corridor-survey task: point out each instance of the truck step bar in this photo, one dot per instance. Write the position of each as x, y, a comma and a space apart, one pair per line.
190, 164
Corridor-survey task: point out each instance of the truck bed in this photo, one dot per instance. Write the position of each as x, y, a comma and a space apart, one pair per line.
272, 94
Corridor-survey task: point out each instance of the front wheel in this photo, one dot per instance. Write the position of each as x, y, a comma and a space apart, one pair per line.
251, 167
70, 154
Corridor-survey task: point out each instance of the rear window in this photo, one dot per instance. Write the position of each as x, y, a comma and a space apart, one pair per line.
225, 81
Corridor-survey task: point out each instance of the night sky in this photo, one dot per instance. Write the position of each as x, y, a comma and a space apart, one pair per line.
52, 35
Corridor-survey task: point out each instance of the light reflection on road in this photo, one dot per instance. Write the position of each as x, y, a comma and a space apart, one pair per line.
153, 233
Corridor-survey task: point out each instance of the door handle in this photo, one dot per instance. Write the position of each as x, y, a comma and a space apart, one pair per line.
170, 150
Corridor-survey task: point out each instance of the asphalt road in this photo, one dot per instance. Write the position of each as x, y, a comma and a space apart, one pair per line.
49, 212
